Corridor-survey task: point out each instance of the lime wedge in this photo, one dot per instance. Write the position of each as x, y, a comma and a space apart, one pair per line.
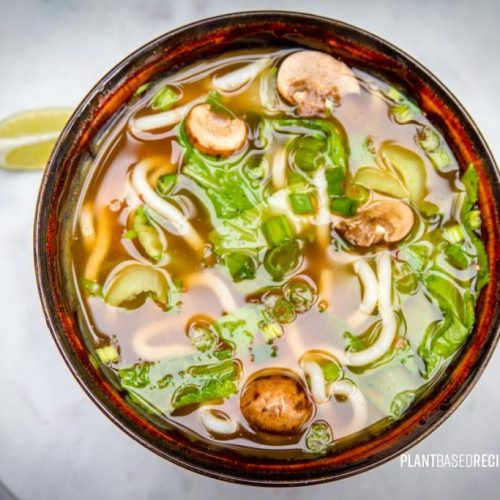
27, 138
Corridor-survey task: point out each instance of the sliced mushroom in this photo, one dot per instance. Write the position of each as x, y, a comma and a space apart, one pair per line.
215, 133
312, 80
278, 404
382, 221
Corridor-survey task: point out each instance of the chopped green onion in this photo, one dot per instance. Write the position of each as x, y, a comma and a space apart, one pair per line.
440, 159
147, 234
165, 184
302, 203
278, 308
319, 437
279, 261
335, 182
401, 113
474, 219
108, 354
332, 371
165, 98
428, 139
92, 287
272, 331
142, 89
453, 234
344, 206
457, 256
241, 266
130, 234
300, 294
277, 230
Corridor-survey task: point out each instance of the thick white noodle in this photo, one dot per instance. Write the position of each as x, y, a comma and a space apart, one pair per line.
370, 294
217, 285
357, 399
217, 424
317, 382
236, 79
162, 207
346, 388
386, 337
165, 118
370, 286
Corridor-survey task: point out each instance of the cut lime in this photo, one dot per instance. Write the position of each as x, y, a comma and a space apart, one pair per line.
27, 138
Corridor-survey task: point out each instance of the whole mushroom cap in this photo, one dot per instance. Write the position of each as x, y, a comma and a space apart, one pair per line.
215, 133
312, 80
277, 404
382, 221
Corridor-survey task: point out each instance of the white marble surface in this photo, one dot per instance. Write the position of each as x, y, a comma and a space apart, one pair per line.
54, 443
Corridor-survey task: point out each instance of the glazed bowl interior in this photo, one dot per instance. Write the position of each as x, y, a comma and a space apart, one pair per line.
67, 172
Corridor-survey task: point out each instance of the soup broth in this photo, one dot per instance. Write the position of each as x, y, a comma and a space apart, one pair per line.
276, 252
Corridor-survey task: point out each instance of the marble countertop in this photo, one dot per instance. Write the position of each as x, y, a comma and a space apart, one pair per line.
54, 443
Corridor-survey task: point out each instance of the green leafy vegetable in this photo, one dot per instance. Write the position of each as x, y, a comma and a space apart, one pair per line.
309, 153
176, 382
240, 326
228, 190
241, 266
300, 294
277, 230
470, 180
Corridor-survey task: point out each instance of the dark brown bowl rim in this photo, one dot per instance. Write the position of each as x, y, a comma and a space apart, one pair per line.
284, 475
